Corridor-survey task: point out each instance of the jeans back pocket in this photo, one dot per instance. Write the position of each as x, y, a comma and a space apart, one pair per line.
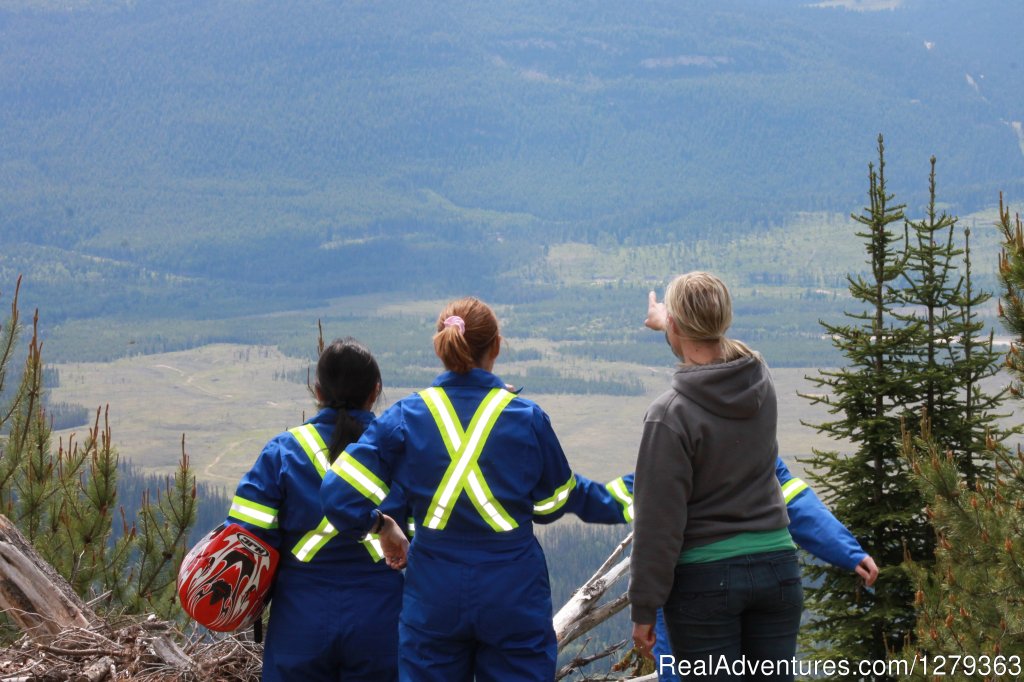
699, 591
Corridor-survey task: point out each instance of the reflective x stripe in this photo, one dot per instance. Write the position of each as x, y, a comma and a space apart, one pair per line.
372, 545
313, 445
620, 492
556, 501
313, 541
360, 478
251, 512
464, 448
792, 488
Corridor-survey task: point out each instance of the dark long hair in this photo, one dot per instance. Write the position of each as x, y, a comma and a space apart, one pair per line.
347, 376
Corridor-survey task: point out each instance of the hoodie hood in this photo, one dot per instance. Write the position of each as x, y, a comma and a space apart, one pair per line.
733, 390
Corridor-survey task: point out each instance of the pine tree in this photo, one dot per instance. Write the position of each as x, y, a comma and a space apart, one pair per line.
970, 602
951, 359
1011, 303
976, 431
869, 489
931, 285
64, 499
925, 357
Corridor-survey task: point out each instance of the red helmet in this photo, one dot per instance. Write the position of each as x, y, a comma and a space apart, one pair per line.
224, 581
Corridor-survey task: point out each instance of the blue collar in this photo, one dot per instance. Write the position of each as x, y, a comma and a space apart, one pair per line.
329, 415
474, 377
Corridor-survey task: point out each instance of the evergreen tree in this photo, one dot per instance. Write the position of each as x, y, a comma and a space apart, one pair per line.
1011, 303
869, 489
970, 604
973, 434
931, 286
925, 355
951, 358
63, 500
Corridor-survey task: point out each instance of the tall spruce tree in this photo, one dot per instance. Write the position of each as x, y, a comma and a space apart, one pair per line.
970, 603
977, 430
931, 283
952, 357
64, 499
869, 488
1011, 303
926, 369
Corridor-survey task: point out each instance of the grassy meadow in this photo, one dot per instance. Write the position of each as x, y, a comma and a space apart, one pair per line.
229, 399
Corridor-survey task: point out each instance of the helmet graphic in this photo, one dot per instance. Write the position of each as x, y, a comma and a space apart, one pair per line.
224, 581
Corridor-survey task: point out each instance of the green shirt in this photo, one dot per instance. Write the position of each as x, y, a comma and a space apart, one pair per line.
752, 542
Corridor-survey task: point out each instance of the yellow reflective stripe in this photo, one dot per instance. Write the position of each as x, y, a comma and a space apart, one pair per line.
483, 499
373, 546
620, 492
313, 445
360, 478
410, 526
556, 501
251, 512
444, 415
451, 434
488, 507
792, 488
464, 472
311, 542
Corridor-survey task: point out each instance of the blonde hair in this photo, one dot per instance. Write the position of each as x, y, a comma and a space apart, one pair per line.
701, 309
463, 347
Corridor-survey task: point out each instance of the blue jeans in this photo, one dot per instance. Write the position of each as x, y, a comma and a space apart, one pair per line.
736, 619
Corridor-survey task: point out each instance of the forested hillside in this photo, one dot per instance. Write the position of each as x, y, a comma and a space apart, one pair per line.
167, 165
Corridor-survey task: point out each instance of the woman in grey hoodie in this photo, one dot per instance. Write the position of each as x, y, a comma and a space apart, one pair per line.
711, 544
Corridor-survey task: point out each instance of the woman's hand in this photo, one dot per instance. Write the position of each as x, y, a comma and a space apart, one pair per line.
644, 636
868, 570
394, 543
657, 314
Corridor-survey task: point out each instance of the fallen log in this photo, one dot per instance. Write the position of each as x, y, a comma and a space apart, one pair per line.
63, 628
39, 601
576, 616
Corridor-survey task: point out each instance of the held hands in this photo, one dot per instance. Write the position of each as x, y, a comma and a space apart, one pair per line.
657, 314
644, 638
394, 543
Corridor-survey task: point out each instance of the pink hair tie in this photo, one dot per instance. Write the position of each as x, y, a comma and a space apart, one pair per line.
456, 321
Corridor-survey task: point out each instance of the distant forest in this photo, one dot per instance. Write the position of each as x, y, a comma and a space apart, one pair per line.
171, 172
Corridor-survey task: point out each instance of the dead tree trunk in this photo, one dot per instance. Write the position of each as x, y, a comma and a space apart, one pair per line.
65, 630
581, 613
39, 601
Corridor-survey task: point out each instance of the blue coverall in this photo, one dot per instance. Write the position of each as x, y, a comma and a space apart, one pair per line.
813, 528
477, 465
335, 605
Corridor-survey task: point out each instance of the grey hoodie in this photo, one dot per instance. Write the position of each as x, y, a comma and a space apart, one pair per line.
705, 471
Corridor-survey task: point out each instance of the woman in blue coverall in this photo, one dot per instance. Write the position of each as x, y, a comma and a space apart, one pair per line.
335, 604
477, 465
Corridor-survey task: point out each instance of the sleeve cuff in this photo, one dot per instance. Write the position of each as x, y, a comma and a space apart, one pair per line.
644, 615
